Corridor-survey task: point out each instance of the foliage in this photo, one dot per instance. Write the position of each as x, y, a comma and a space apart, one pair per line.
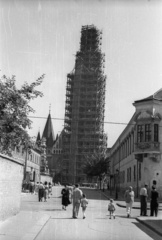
14, 111
95, 164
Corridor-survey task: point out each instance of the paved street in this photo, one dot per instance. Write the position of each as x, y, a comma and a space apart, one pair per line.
47, 221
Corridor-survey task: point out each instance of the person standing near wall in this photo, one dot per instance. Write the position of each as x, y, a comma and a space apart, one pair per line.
129, 199
143, 200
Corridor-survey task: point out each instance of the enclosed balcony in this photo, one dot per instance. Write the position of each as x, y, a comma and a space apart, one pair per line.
147, 147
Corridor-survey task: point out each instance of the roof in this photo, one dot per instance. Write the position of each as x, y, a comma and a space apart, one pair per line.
156, 96
48, 132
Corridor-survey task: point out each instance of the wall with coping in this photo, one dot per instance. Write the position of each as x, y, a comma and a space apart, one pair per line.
45, 178
10, 186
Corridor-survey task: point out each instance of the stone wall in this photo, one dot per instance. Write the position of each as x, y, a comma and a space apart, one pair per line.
11, 177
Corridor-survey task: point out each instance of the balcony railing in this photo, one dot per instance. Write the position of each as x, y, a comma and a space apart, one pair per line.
147, 147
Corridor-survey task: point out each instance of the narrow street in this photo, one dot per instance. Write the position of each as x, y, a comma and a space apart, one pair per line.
47, 221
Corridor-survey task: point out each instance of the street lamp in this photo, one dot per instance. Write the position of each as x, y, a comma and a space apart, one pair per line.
116, 184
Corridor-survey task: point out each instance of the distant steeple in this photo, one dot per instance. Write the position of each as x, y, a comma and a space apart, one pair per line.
38, 137
48, 132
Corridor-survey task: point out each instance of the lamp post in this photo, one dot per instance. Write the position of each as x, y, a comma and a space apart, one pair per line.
116, 184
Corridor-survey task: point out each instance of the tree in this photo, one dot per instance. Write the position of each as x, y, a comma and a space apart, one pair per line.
14, 112
96, 164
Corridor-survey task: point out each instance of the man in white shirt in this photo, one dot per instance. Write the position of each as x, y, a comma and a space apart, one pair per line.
76, 195
143, 200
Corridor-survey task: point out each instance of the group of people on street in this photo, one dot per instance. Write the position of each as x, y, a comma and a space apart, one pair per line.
154, 195
129, 199
44, 191
76, 197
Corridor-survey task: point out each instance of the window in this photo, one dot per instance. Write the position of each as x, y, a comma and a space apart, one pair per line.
129, 174
139, 133
139, 171
156, 132
123, 176
147, 133
134, 172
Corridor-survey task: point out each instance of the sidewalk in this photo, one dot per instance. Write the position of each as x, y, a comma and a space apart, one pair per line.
153, 223
24, 226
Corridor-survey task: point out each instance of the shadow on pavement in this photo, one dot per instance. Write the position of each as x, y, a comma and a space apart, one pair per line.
63, 218
153, 224
146, 230
50, 210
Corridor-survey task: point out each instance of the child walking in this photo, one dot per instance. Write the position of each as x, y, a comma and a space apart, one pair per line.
84, 203
111, 208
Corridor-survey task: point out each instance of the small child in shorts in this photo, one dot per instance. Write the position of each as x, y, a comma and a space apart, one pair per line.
84, 203
111, 208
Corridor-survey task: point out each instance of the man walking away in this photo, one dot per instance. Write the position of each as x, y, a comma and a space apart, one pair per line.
77, 195
143, 200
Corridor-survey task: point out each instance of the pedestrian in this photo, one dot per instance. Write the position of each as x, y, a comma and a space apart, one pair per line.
84, 203
49, 189
154, 202
143, 200
40, 192
111, 208
70, 194
129, 199
65, 197
77, 196
30, 186
36, 187
45, 191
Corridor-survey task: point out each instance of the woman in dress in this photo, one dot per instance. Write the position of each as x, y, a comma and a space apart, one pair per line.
65, 197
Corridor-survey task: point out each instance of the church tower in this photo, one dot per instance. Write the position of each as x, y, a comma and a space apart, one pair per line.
84, 106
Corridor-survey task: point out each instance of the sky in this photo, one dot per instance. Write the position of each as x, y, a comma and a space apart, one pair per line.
42, 37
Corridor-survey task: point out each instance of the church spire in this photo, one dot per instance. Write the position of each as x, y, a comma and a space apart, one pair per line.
38, 137
48, 132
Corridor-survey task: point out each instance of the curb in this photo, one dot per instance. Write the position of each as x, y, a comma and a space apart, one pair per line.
150, 227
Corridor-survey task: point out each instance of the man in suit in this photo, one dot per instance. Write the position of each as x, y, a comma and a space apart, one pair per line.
76, 196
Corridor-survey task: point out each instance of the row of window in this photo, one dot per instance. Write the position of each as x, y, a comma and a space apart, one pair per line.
131, 174
144, 133
34, 158
31, 156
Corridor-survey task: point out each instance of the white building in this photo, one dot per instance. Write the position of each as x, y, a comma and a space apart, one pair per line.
136, 156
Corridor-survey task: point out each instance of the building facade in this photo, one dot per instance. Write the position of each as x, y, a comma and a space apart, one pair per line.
31, 161
136, 156
85, 105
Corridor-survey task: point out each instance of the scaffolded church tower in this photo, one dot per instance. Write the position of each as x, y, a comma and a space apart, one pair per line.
85, 105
